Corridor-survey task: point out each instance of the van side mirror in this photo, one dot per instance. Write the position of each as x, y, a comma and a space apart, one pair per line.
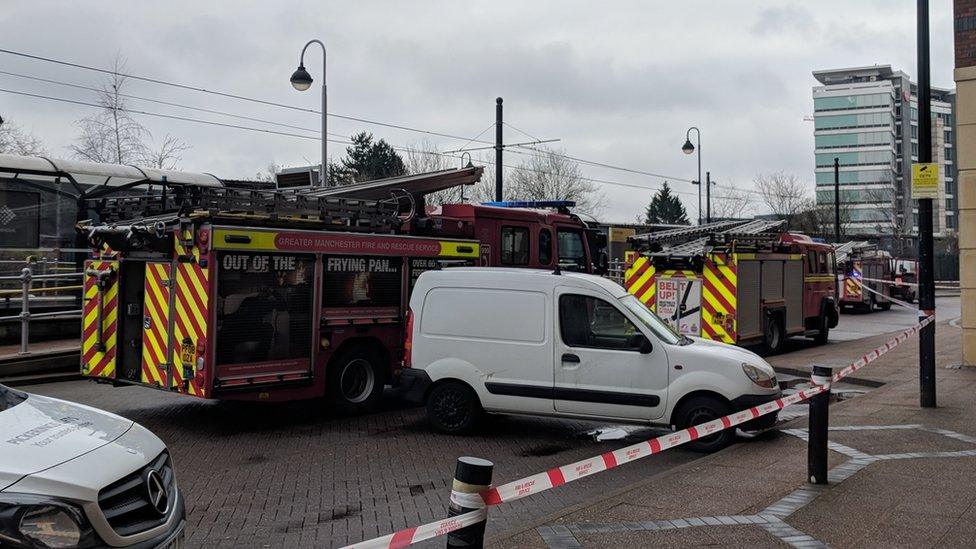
641, 343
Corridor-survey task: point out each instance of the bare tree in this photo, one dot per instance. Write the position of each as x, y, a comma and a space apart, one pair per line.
16, 140
552, 176
425, 157
785, 195
729, 202
167, 156
113, 136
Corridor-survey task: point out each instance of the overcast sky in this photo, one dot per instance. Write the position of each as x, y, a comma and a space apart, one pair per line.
618, 82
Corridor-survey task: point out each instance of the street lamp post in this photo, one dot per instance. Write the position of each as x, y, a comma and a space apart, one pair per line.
302, 81
688, 148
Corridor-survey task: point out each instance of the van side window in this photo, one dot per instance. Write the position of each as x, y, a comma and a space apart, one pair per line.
515, 246
545, 246
586, 321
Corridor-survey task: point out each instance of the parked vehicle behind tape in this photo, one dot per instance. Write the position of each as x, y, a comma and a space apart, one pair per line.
494, 340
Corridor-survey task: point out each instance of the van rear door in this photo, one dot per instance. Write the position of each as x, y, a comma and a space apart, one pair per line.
598, 369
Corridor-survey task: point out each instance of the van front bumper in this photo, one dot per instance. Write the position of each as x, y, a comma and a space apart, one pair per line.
745, 402
414, 385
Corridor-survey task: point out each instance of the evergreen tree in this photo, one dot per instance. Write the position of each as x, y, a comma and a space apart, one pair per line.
666, 208
367, 161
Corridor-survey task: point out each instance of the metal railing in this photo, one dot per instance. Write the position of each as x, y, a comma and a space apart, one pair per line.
616, 271
26, 279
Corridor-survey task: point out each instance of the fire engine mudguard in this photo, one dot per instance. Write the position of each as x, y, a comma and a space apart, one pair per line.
414, 385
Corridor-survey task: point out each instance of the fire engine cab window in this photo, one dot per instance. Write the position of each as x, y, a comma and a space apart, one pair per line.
515, 246
264, 307
812, 261
571, 248
823, 262
586, 321
545, 246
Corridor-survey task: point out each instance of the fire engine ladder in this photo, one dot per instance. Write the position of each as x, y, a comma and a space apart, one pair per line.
752, 231
238, 205
844, 251
683, 234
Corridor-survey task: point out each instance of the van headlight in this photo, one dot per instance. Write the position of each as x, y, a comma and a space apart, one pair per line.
759, 376
27, 520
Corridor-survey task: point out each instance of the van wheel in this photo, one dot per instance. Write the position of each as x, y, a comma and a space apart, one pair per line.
355, 380
453, 408
774, 337
699, 410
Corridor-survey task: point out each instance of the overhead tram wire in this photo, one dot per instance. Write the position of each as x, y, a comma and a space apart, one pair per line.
344, 117
308, 137
232, 96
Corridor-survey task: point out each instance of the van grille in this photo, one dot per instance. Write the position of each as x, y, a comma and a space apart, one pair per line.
125, 502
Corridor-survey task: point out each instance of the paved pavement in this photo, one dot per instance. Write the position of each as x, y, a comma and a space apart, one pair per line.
259, 475
856, 325
900, 476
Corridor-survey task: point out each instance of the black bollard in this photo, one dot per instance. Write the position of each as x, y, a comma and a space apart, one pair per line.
471, 477
817, 443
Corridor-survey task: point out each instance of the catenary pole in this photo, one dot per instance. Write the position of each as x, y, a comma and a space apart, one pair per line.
498, 149
926, 289
836, 200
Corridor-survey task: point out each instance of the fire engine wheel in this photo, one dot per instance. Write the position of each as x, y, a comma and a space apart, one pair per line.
355, 382
823, 334
453, 408
773, 336
701, 409
886, 306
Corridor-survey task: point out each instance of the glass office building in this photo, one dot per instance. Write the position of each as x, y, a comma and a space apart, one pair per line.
866, 118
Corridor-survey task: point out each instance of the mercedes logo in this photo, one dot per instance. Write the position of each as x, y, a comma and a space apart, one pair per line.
156, 491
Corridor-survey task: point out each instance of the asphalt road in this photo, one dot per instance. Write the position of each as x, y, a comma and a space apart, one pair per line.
260, 475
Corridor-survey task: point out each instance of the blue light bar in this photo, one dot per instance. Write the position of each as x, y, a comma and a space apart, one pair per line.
532, 204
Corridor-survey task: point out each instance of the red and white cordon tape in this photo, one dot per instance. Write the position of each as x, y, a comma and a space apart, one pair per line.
896, 301
558, 476
913, 284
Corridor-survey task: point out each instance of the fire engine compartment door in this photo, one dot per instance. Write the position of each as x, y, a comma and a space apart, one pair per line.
679, 304
748, 300
793, 290
156, 329
263, 317
100, 318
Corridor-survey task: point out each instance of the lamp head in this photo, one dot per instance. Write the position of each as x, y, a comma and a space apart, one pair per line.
687, 148
300, 79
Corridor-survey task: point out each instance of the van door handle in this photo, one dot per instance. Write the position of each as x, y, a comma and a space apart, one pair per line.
571, 358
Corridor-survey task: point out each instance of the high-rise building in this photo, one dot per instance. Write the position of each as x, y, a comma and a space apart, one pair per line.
866, 117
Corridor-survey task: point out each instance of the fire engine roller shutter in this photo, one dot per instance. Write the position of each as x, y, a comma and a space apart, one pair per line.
772, 280
98, 357
718, 302
155, 324
748, 318
793, 279
192, 309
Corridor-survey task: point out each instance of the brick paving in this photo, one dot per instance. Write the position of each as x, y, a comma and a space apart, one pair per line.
276, 475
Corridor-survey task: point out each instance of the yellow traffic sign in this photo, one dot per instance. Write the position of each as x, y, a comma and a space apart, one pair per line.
925, 180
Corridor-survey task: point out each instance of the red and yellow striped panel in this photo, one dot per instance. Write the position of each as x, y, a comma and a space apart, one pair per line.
192, 312
852, 290
718, 299
639, 280
98, 358
155, 324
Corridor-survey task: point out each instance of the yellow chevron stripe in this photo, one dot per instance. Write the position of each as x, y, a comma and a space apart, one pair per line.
639, 283
716, 285
181, 310
636, 266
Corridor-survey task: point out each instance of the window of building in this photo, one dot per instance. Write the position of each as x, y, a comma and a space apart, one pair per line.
586, 321
950, 222
914, 132
947, 135
855, 158
515, 246
545, 246
948, 153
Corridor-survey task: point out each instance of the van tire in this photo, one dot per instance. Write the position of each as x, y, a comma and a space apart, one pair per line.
355, 379
774, 335
698, 410
453, 408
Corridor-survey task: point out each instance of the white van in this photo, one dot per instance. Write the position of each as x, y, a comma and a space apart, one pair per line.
75, 476
566, 344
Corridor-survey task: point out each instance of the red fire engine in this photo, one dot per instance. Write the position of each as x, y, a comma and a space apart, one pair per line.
258, 295
867, 277
744, 283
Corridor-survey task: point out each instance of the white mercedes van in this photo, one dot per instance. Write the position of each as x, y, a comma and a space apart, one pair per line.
521, 341
75, 476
